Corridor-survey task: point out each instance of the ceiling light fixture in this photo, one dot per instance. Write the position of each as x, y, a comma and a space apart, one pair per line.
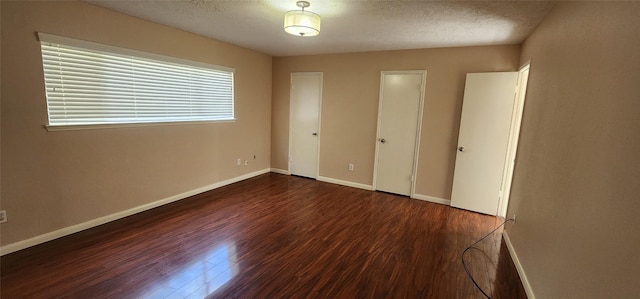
301, 22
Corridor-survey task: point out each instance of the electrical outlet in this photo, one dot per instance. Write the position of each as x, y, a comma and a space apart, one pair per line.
246, 162
239, 161
3, 216
350, 167
514, 218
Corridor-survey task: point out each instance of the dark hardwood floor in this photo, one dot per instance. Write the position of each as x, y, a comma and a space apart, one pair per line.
272, 236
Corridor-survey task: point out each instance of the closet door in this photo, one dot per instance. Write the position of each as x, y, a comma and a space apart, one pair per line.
483, 140
304, 123
399, 118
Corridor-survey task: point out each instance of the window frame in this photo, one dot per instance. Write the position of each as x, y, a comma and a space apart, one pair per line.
45, 38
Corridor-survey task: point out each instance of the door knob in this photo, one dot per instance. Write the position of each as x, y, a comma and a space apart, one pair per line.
314, 134
461, 148
382, 140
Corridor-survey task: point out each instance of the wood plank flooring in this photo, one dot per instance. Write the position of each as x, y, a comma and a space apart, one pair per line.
272, 236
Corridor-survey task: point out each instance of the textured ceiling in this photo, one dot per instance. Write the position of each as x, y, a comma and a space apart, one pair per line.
348, 25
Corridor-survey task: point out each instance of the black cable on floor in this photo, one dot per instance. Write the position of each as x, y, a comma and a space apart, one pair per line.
466, 269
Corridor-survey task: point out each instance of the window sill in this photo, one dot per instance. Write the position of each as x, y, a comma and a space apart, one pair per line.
55, 128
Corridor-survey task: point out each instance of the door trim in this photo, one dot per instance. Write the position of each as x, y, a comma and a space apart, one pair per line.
418, 130
514, 137
319, 119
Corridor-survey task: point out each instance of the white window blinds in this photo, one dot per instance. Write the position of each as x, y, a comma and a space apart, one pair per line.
88, 83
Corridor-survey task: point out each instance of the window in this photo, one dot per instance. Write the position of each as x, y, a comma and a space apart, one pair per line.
94, 84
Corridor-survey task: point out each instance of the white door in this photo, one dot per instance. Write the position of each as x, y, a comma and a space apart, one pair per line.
483, 139
399, 118
304, 123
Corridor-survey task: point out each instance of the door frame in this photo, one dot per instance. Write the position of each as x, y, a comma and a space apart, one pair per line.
514, 137
289, 160
423, 86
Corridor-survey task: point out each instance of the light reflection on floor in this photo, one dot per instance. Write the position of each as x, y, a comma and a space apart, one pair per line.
200, 278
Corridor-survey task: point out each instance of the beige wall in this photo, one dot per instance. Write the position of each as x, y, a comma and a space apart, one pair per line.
577, 177
52, 180
350, 108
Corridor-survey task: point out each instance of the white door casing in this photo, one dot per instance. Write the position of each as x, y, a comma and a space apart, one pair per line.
304, 123
514, 135
398, 137
483, 140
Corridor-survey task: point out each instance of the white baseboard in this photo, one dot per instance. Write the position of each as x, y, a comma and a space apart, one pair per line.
432, 199
328, 180
13, 247
280, 171
345, 183
516, 262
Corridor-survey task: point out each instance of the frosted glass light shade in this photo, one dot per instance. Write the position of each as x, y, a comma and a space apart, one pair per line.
302, 23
